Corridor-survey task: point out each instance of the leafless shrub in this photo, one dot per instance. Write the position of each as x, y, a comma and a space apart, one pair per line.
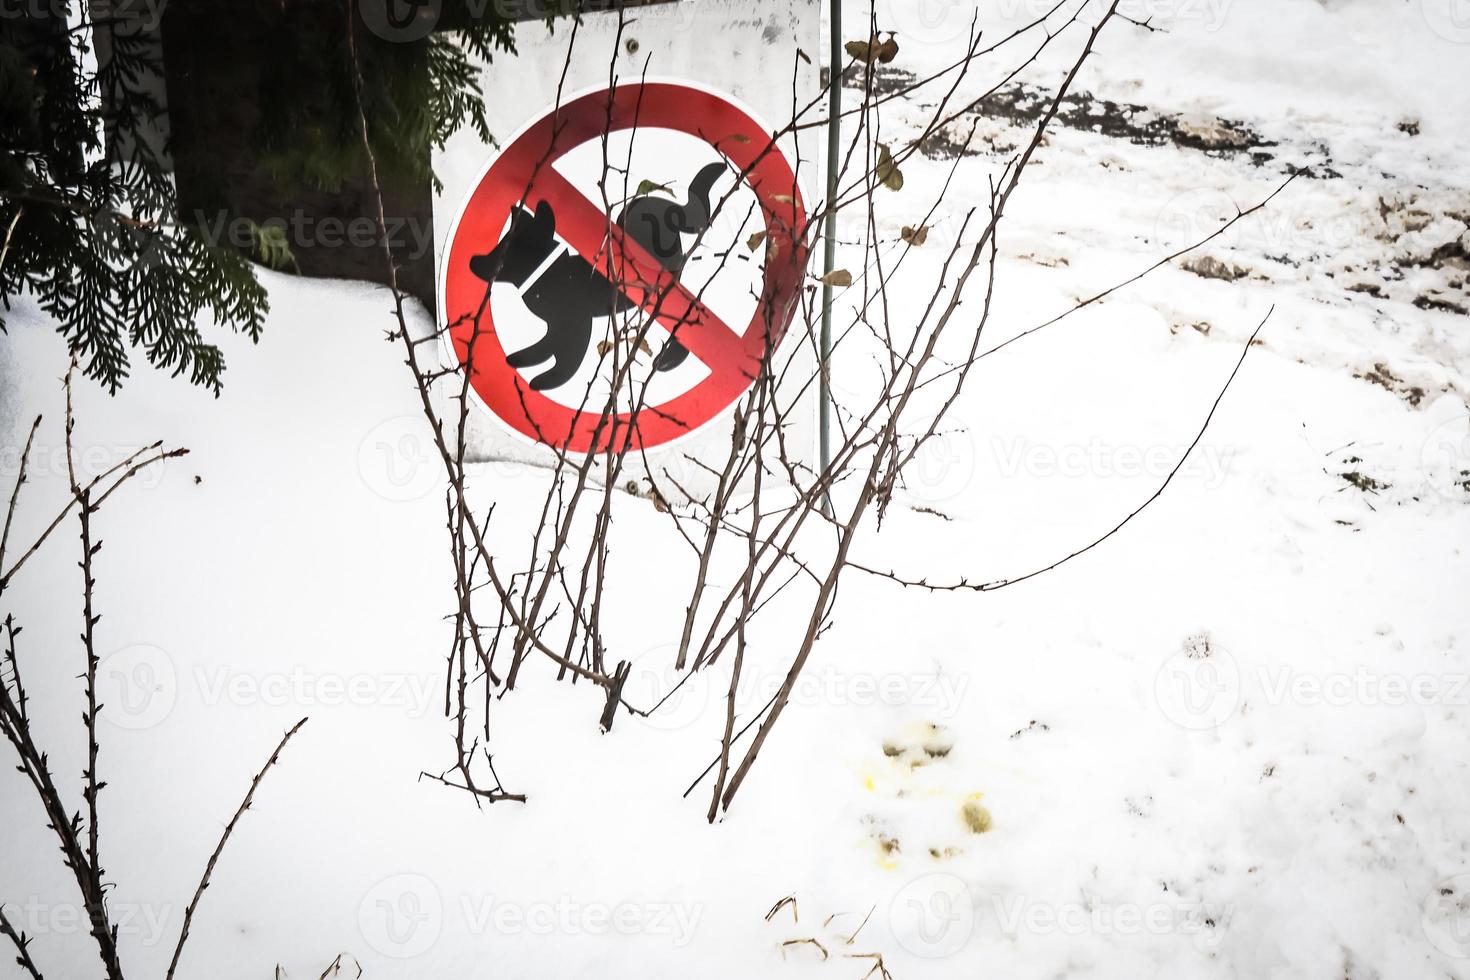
763, 522
78, 833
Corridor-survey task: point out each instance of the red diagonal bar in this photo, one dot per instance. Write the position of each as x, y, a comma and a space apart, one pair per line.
640, 276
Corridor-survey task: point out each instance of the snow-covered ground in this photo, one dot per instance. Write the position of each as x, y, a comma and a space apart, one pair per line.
1233, 741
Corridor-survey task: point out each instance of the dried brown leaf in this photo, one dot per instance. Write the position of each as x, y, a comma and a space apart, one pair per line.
887, 171
873, 50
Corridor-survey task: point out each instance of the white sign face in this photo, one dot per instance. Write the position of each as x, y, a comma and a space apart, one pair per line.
643, 230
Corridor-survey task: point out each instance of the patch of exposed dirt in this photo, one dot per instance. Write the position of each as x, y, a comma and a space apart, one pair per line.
1024, 105
1381, 375
1207, 267
1363, 481
1421, 232
1199, 326
886, 79
1428, 302
1452, 255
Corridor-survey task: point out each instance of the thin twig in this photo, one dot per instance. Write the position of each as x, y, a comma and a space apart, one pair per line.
9, 231
21, 942
788, 900
805, 942
964, 585
20, 479
219, 848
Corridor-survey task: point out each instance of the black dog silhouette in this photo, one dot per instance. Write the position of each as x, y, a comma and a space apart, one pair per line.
570, 293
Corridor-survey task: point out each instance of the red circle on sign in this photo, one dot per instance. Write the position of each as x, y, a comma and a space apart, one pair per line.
524, 176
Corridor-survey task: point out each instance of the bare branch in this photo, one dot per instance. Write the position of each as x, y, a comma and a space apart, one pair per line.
964, 585
19, 940
173, 963
20, 479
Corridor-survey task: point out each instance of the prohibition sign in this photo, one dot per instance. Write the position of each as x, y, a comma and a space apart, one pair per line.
524, 177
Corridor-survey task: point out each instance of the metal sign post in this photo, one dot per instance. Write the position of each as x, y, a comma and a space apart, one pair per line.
829, 233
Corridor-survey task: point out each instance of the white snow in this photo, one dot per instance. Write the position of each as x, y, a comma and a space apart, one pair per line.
1233, 741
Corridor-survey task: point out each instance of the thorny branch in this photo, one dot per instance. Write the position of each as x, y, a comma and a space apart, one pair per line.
749, 515
224, 838
79, 835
